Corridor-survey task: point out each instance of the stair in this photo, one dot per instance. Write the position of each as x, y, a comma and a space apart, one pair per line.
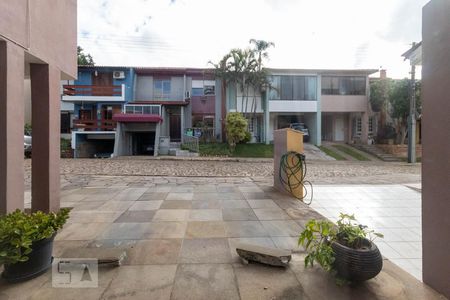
377, 152
175, 150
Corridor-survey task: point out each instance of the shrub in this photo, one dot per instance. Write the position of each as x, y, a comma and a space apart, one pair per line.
19, 230
236, 127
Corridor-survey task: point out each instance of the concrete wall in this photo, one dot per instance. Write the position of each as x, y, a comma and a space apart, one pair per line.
436, 145
23, 22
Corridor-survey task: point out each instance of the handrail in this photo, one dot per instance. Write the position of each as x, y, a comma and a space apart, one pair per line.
97, 124
92, 90
191, 143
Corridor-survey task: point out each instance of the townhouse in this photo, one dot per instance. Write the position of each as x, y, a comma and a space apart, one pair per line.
146, 111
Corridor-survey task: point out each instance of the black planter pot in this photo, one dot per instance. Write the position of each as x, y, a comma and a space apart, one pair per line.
39, 261
357, 264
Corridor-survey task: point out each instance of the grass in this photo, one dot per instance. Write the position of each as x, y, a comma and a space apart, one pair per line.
351, 152
242, 150
332, 153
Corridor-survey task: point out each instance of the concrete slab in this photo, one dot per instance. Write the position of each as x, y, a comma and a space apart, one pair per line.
205, 281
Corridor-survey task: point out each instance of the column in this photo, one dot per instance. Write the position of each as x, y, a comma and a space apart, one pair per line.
45, 99
319, 112
267, 117
11, 127
182, 123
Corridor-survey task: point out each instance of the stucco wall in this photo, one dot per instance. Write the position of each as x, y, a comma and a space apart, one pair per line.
50, 39
337, 103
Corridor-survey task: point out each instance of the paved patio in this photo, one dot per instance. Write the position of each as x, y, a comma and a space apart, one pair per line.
393, 210
179, 234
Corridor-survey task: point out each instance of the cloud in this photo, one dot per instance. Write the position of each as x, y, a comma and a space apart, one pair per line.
307, 34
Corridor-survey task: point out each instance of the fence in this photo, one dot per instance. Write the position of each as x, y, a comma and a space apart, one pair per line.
191, 143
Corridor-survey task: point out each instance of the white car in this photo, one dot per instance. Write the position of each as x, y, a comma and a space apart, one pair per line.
27, 145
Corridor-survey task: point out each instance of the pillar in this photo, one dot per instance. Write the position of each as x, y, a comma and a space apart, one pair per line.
267, 118
45, 99
436, 145
11, 127
318, 141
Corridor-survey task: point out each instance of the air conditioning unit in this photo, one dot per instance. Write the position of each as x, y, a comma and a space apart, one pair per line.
118, 74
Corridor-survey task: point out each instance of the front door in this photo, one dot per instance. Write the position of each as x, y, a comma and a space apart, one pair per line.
175, 128
339, 134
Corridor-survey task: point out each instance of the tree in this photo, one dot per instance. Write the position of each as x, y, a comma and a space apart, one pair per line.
379, 100
84, 59
399, 99
260, 47
236, 126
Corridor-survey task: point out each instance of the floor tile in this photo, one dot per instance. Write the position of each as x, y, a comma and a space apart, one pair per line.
136, 216
271, 214
245, 229
262, 204
212, 250
205, 215
92, 217
130, 194
176, 204
155, 251
205, 229
168, 230
171, 215
205, 281
142, 282
179, 196
234, 204
258, 195
207, 204
288, 243
145, 205
282, 228
128, 231
115, 206
81, 231
238, 214
153, 196
258, 281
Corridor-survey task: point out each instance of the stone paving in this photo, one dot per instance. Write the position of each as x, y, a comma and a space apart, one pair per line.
179, 234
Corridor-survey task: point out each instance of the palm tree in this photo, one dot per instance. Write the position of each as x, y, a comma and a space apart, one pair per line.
260, 47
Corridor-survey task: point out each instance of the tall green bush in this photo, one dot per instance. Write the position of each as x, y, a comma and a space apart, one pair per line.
236, 126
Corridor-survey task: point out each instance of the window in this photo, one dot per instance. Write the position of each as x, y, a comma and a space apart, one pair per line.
371, 124
343, 85
357, 126
161, 89
293, 88
203, 87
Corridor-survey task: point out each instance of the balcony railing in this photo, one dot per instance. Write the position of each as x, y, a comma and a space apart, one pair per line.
93, 92
94, 125
142, 109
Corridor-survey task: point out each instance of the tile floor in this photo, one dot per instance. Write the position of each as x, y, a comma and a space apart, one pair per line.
180, 236
393, 210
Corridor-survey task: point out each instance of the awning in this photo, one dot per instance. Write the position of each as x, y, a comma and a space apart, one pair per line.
137, 118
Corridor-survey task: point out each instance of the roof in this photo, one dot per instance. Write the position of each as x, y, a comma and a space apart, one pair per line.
414, 47
137, 118
324, 71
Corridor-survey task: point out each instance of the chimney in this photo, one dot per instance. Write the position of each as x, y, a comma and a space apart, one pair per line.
383, 74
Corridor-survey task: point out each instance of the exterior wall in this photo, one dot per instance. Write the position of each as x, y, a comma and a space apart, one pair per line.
292, 106
144, 87
348, 103
22, 22
436, 145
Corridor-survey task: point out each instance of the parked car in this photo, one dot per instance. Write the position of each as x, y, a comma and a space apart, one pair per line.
27, 145
303, 128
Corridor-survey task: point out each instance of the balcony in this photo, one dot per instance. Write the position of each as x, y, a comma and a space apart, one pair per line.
95, 93
94, 125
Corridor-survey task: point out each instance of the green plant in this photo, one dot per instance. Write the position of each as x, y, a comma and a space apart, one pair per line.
27, 129
19, 230
319, 235
65, 145
248, 138
236, 126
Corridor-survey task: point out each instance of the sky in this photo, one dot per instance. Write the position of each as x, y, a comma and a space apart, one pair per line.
308, 34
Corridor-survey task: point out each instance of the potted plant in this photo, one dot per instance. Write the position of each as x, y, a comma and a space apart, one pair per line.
346, 249
26, 242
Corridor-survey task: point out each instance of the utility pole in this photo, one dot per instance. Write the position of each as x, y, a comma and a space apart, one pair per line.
412, 117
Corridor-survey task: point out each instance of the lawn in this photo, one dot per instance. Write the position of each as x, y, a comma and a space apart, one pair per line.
332, 153
242, 150
351, 152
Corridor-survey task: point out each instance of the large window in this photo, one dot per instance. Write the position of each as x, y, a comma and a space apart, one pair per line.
293, 88
161, 89
343, 85
203, 88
